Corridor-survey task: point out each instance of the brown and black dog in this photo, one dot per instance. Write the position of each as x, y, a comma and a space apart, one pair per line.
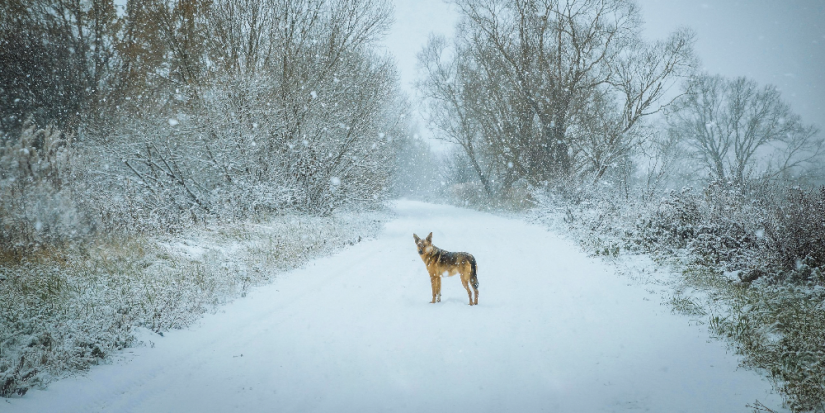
444, 263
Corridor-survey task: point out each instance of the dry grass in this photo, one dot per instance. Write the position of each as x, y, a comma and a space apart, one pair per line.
778, 328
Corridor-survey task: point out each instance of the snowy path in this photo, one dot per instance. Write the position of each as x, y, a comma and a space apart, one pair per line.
554, 331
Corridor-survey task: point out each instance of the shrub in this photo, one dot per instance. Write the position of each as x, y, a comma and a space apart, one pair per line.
796, 230
37, 202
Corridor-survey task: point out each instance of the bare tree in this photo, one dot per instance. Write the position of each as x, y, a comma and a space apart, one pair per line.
640, 86
551, 88
447, 92
739, 130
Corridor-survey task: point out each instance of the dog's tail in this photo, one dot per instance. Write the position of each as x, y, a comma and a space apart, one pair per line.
473, 272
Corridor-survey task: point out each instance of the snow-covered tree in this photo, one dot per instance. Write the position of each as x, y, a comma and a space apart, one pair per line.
187, 109
739, 130
544, 89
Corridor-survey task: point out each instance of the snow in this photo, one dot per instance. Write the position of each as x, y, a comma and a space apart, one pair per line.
555, 330
193, 252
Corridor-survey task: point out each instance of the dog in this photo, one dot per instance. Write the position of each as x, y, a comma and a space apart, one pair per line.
444, 263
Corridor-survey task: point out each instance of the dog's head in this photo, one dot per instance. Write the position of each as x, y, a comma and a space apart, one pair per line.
425, 246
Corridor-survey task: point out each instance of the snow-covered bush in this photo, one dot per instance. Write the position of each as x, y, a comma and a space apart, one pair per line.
720, 226
796, 230
37, 201
309, 121
236, 153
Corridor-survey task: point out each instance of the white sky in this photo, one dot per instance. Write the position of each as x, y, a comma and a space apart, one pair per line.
415, 20
771, 41
776, 42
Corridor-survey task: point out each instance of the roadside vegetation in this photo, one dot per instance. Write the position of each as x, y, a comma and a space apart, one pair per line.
751, 270
62, 311
158, 158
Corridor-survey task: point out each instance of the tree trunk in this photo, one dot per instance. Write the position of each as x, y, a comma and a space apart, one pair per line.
471, 154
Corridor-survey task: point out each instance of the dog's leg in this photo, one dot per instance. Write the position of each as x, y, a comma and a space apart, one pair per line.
473, 278
433, 281
438, 290
465, 282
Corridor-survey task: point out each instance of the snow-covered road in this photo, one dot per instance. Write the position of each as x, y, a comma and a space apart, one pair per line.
554, 331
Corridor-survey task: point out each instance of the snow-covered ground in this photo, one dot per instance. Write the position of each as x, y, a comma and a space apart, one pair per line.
554, 330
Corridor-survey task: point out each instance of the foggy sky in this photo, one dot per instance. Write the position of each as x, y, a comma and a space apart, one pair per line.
773, 42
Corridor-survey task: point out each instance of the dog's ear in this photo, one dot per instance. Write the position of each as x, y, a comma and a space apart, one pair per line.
416, 238
430, 237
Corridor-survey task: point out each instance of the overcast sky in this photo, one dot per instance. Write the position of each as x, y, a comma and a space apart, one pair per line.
781, 42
